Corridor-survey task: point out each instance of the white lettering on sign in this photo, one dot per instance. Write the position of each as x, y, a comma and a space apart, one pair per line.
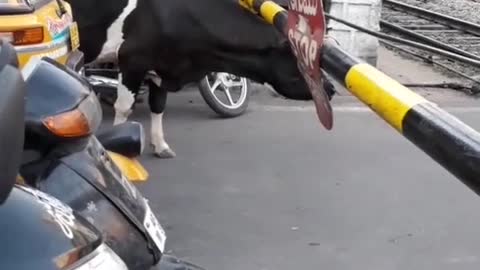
305, 47
307, 7
60, 212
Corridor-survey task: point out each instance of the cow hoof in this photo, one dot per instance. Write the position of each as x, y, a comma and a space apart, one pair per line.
166, 153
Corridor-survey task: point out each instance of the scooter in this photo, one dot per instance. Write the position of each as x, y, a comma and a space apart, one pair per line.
38, 231
64, 159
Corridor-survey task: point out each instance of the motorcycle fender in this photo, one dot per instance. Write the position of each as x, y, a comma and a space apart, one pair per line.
130, 167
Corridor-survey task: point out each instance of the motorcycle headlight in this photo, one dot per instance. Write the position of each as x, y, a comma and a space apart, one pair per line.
103, 258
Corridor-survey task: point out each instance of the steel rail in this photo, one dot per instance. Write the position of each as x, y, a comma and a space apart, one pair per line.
454, 56
431, 61
428, 40
452, 22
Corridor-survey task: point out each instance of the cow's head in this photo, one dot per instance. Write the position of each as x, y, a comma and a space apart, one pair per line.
258, 51
276, 66
284, 76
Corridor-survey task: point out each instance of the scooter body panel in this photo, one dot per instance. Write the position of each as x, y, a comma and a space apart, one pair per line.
41, 233
92, 185
79, 171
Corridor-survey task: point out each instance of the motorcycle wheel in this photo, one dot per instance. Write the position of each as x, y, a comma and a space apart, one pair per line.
226, 94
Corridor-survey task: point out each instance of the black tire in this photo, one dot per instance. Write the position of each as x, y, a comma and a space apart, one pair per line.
220, 108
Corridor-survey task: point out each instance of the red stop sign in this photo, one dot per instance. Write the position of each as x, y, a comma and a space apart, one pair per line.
306, 31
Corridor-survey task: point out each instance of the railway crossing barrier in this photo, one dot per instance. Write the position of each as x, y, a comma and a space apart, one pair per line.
446, 139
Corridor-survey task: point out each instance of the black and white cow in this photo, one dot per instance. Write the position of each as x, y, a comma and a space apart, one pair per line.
181, 41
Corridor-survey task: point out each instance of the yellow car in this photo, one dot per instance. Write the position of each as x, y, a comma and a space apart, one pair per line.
39, 28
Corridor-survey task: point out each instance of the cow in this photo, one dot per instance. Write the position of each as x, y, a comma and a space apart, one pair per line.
176, 42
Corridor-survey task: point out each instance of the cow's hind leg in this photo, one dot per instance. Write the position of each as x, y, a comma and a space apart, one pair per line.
128, 85
157, 99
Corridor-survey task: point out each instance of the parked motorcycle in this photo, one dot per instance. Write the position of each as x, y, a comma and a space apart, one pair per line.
64, 159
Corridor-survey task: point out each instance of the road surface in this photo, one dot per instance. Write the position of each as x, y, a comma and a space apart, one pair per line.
272, 190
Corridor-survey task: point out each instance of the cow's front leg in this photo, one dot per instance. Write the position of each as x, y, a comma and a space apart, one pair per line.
157, 99
128, 85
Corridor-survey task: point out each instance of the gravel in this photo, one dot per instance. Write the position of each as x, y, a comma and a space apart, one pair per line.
468, 10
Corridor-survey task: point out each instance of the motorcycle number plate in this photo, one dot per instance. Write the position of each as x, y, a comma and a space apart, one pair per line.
74, 36
154, 229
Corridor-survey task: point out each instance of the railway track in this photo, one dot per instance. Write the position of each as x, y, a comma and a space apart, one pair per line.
438, 30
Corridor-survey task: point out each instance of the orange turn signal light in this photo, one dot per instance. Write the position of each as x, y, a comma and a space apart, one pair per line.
24, 36
69, 124
28, 36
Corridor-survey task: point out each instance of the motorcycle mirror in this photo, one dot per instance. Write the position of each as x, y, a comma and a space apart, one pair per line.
127, 139
12, 111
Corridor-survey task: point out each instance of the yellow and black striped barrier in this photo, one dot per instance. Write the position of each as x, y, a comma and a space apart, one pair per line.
446, 139
270, 11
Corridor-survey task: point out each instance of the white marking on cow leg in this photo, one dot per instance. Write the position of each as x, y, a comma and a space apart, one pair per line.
123, 104
161, 148
152, 75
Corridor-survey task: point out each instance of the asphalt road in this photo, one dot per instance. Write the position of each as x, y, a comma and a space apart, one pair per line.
272, 190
